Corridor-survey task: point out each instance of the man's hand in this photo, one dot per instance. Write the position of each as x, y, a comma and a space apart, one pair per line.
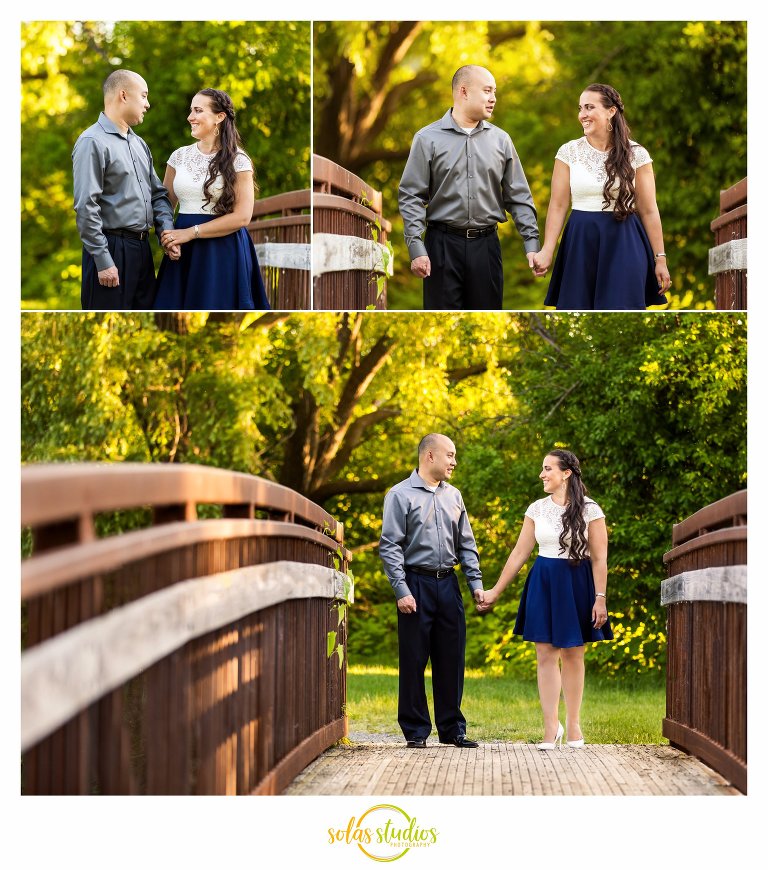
538, 263
109, 277
407, 604
173, 251
479, 596
421, 267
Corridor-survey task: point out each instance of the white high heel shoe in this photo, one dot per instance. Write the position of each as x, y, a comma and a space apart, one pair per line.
576, 744
558, 739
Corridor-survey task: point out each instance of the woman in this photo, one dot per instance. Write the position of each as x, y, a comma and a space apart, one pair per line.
563, 604
211, 263
612, 252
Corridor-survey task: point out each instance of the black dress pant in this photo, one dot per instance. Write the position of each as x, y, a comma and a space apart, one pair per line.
466, 274
136, 270
437, 631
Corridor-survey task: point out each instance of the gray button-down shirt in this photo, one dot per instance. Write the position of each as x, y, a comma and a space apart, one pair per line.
116, 187
465, 180
427, 528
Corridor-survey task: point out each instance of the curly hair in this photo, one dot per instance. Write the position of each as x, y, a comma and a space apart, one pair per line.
574, 524
619, 162
223, 162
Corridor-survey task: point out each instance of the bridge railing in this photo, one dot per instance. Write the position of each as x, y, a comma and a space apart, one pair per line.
706, 598
188, 656
350, 257
280, 230
728, 259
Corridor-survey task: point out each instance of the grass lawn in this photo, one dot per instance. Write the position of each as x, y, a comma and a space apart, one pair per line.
507, 708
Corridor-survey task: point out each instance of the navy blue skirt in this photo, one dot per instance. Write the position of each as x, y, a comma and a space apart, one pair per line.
604, 264
556, 604
220, 274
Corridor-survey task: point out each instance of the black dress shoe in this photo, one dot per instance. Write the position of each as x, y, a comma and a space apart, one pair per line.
462, 741
416, 744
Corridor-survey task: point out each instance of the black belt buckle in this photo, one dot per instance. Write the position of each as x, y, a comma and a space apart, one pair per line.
474, 233
443, 572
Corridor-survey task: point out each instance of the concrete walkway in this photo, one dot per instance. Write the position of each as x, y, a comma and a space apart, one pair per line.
384, 766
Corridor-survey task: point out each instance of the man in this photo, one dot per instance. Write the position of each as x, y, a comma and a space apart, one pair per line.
118, 197
425, 532
467, 173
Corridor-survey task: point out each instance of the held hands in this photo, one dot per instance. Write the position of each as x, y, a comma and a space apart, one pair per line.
421, 267
539, 263
172, 240
489, 598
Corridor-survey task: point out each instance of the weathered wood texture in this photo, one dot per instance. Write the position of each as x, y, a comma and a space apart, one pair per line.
506, 769
280, 229
728, 259
705, 595
231, 707
346, 207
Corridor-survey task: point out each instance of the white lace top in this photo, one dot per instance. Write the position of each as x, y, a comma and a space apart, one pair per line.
588, 175
548, 520
191, 167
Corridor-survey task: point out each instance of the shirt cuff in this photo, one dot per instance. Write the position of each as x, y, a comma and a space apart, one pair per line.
474, 585
417, 248
400, 588
103, 261
532, 246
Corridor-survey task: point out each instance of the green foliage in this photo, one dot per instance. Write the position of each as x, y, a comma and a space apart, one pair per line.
264, 66
683, 85
653, 404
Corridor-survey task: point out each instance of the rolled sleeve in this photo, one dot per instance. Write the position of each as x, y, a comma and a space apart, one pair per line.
518, 200
88, 182
413, 196
391, 544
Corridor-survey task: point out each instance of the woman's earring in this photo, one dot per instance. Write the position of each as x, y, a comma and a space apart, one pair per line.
610, 127
217, 130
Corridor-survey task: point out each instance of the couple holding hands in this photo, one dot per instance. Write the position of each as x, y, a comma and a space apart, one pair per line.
210, 261
426, 533
463, 175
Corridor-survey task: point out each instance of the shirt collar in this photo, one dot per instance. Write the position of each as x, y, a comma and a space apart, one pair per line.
417, 481
109, 126
448, 123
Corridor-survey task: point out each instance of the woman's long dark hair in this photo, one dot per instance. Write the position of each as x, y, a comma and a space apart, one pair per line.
619, 162
574, 523
223, 162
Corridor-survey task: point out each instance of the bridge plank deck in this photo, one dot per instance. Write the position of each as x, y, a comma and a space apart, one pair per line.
389, 768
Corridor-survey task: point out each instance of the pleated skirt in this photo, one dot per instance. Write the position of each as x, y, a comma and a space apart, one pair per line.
556, 604
603, 264
220, 274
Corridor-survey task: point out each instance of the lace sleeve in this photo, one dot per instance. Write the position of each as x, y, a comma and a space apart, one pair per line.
593, 511
563, 154
640, 156
175, 158
243, 162
531, 511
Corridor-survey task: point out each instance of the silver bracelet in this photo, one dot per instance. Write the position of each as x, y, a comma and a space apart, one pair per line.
197, 231
599, 594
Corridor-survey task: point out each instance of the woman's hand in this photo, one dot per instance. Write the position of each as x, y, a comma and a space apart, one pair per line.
169, 238
662, 275
541, 263
599, 612
490, 597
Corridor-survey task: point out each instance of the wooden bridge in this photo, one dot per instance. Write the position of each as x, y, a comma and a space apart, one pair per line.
204, 652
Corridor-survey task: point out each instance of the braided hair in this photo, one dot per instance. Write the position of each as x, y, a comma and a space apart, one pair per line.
223, 162
574, 523
619, 162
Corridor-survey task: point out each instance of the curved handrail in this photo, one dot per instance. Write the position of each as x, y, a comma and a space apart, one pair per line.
719, 514
58, 492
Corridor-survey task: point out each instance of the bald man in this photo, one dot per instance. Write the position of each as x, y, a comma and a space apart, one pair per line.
425, 533
462, 176
118, 199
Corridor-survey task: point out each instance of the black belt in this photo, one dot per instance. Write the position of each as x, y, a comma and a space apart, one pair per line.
128, 234
430, 572
465, 232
